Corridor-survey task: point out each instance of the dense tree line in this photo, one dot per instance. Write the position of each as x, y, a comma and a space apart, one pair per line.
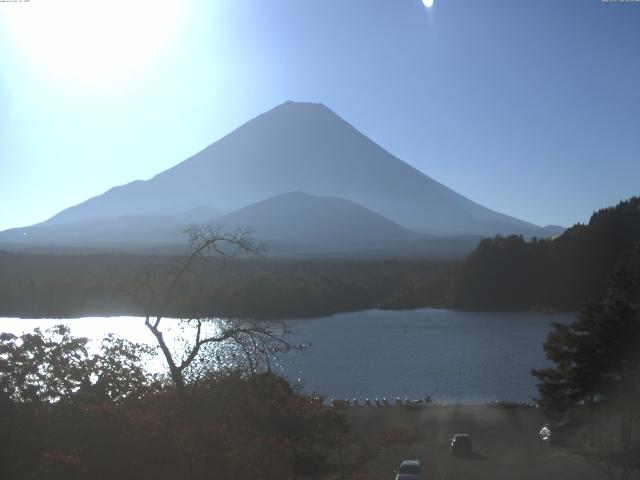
558, 273
46, 285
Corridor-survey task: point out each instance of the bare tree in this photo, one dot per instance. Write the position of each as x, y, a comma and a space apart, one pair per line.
157, 292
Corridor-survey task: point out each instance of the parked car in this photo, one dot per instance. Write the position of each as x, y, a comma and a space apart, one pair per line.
409, 470
461, 444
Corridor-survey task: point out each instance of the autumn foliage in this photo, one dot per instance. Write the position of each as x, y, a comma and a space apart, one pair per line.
226, 425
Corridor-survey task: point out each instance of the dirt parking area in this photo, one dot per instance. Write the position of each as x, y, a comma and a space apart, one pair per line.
505, 443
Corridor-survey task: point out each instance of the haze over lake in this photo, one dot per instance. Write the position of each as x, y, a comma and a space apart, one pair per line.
453, 356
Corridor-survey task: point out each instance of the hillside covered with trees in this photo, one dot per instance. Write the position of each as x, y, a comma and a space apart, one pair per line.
60, 286
559, 273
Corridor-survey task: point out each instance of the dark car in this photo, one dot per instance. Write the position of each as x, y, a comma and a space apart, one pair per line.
461, 444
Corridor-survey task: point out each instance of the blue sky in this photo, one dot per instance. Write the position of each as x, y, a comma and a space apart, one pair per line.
531, 108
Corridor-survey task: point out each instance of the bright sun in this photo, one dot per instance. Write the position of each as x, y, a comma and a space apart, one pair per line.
428, 3
92, 41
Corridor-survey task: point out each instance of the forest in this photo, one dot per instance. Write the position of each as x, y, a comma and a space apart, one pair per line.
510, 273
61, 286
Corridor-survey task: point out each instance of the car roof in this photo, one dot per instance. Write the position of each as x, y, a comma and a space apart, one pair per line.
410, 462
461, 435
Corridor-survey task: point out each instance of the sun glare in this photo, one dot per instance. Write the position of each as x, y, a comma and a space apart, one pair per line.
92, 41
428, 3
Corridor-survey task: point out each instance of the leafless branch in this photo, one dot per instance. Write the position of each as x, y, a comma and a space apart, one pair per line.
205, 241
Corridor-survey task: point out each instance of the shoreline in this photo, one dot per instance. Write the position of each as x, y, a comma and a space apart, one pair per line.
105, 315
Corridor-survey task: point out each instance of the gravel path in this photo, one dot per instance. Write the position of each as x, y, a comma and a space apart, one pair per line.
506, 445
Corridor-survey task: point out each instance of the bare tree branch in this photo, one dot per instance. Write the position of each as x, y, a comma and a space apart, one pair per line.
205, 241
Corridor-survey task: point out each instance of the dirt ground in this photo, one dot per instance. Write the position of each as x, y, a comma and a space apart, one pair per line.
505, 443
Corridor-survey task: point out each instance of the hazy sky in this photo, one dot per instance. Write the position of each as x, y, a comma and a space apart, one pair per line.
531, 108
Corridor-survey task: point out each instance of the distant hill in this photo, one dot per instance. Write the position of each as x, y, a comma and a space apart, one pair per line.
511, 273
297, 223
312, 223
301, 147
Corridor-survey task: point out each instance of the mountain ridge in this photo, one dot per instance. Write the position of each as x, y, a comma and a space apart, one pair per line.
303, 147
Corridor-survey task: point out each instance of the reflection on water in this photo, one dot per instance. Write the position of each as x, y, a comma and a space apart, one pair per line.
452, 356
178, 335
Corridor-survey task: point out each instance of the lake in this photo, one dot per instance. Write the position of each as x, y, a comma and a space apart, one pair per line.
453, 356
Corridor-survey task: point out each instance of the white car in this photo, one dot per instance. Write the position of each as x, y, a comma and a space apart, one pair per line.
409, 470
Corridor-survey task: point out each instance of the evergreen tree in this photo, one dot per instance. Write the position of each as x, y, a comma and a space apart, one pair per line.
597, 357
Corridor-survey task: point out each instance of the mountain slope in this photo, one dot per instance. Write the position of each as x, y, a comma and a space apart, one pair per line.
122, 231
301, 147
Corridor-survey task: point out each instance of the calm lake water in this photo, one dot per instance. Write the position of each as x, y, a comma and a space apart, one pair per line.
453, 356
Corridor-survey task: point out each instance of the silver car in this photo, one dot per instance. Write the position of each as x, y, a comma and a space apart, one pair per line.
409, 470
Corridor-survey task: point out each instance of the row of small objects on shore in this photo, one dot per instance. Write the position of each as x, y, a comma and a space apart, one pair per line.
343, 404
511, 405
380, 402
